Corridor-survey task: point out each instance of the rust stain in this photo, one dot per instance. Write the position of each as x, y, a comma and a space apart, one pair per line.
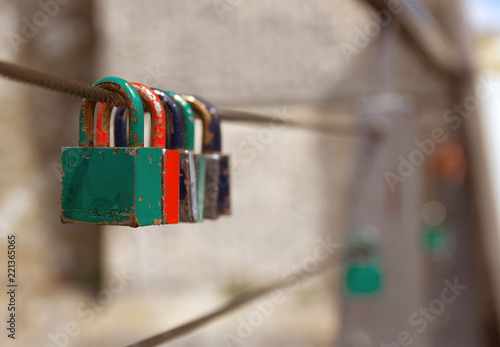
132, 152
140, 198
88, 107
153, 103
157, 221
118, 89
102, 125
202, 112
116, 150
150, 160
208, 137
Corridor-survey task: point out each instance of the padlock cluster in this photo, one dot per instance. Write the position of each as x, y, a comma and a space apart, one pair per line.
133, 185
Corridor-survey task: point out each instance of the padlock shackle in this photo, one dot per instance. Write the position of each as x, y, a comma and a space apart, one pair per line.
211, 123
361, 240
188, 116
136, 132
158, 117
176, 119
158, 123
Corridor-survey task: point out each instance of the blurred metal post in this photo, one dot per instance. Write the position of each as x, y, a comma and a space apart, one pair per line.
391, 208
395, 217
471, 320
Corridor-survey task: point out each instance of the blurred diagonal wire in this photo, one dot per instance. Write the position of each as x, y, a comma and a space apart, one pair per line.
195, 324
91, 92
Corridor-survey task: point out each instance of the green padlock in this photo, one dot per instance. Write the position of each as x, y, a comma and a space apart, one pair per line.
118, 186
364, 277
437, 240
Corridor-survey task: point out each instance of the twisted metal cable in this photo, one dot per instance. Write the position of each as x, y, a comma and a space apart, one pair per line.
243, 116
91, 92
60, 84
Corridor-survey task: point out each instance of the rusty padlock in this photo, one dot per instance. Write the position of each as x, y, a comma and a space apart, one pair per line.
170, 159
224, 196
188, 208
119, 186
199, 164
211, 154
189, 142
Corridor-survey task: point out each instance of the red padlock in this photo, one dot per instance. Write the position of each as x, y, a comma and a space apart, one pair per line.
159, 127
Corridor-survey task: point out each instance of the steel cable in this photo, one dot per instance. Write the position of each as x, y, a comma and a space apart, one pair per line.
60, 84
91, 92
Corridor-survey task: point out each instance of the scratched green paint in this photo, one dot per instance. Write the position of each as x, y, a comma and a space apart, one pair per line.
200, 185
111, 185
188, 114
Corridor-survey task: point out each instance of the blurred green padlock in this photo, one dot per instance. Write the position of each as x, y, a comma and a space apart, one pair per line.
119, 185
436, 240
364, 275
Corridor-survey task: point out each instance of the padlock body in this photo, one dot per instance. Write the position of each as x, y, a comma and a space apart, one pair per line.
364, 279
224, 197
201, 170
170, 196
188, 211
212, 163
118, 186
